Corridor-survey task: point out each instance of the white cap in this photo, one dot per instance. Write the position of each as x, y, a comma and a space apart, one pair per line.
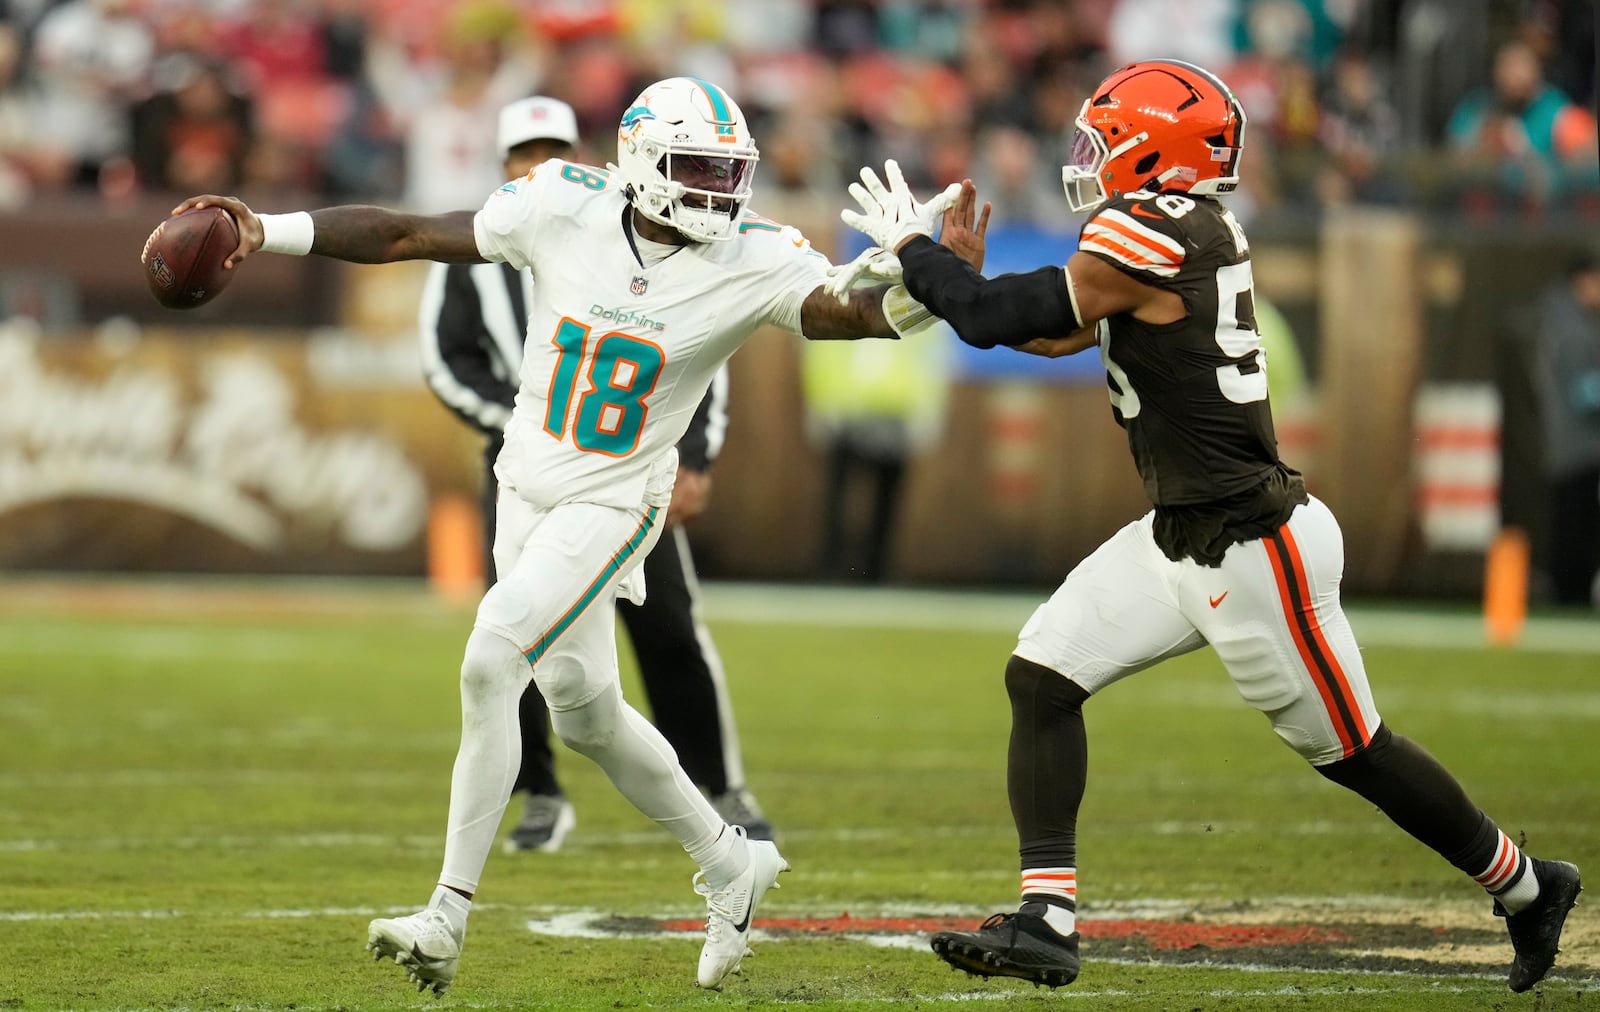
536, 118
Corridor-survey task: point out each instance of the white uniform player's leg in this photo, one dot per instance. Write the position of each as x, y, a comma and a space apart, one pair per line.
633, 754
1272, 613
558, 604
1117, 612
558, 568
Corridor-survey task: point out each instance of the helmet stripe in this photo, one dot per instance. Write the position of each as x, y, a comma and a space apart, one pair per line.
719, 102
1222, 87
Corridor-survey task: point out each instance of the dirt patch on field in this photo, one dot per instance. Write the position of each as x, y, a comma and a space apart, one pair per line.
1371, 934
1352, 934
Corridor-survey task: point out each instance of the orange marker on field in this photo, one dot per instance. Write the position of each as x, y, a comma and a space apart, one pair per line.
455, 548
1505, 587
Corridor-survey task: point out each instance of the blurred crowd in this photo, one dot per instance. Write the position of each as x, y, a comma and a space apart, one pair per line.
1480, 105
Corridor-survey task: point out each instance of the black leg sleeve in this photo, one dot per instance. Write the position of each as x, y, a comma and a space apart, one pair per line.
678, 681
1047, 766
538, 772
1413, 789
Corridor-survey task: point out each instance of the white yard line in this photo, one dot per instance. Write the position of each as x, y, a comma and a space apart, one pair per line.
1386, 625
649, 838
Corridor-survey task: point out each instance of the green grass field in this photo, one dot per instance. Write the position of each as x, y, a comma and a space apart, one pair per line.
207, 791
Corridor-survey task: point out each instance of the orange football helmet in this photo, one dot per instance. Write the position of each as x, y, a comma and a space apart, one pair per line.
1155, 125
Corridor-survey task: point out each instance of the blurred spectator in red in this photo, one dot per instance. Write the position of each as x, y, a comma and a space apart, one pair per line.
279, 49
193, 134
91, 59
908, 108
1522, 139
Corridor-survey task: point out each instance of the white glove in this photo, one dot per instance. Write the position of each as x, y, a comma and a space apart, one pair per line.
891, 215
875, 266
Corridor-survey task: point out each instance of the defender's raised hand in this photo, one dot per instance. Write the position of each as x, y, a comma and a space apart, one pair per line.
964, 228
889, 213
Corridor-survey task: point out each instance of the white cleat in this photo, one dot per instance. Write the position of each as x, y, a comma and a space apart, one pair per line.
423, 943
730, 910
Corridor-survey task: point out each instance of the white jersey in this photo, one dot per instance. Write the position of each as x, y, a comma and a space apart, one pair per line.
619, 355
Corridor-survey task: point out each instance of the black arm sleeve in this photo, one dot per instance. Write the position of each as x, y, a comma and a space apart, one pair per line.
1011, 309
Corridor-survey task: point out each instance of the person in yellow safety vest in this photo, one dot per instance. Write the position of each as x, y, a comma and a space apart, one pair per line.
870, 407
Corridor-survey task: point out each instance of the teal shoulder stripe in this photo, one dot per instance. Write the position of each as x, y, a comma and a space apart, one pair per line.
719, 102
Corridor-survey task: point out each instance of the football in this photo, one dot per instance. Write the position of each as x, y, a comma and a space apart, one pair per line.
183, 257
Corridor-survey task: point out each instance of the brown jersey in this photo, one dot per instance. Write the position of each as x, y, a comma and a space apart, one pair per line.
1192, 394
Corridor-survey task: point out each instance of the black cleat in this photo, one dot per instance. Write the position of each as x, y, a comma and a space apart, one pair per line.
1536, 930
1013, 945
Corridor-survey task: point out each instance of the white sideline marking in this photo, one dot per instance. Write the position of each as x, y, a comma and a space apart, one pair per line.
379, 842
1010, 996
1150, 908
199, 778
570, 923
1006, 612
784, 604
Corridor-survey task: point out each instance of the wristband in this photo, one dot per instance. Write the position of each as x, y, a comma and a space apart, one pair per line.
905, 314
287, 233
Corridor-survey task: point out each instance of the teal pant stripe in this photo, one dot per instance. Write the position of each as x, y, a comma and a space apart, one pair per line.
618, 560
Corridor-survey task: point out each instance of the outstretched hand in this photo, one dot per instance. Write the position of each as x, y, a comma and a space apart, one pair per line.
874, 266
250, 235
890, 215
964, 228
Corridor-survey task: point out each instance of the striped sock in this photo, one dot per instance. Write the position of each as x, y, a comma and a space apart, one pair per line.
1057, 888
1509, 877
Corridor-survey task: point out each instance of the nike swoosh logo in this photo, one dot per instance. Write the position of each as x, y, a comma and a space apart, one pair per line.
1141, 212
1218, 599
744, 925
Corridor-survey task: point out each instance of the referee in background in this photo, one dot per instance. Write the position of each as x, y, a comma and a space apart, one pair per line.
473, 322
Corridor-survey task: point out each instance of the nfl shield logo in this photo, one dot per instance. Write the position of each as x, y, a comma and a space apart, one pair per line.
640, 283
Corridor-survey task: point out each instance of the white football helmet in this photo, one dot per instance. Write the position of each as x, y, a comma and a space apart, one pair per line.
688, 158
